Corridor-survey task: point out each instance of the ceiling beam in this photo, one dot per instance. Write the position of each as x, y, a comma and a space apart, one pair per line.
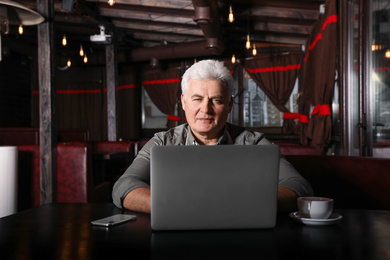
150, 10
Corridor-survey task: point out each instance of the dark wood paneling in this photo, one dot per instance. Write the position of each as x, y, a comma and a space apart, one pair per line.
15, 91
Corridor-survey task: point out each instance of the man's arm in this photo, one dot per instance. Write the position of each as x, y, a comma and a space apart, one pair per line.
287, 200
138, 200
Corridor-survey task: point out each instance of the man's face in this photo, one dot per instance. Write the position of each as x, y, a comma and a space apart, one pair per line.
207, 106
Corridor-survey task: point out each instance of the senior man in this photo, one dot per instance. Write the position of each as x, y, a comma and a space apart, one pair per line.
207, 100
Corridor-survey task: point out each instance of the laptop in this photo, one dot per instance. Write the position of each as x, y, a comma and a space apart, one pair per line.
214, 187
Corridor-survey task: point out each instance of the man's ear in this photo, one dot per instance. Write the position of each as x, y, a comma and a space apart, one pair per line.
183, 102
231, 104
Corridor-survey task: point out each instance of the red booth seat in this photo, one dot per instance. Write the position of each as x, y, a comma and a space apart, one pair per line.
25, 136
353, 182
74, 176
19, 136
289, 148
113, 147
105, 147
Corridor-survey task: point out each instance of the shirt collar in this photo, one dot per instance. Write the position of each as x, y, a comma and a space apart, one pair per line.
224, 139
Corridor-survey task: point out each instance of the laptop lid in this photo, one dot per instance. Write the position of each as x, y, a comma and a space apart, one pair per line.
214, 187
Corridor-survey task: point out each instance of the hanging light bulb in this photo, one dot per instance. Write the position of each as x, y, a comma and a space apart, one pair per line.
233, 59
387, 54
85, 58
111, 2
254, 50
68, 63
81, 51
248, 42
231, 16
64, 41
20, 29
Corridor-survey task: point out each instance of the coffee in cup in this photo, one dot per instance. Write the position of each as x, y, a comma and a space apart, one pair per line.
315, 207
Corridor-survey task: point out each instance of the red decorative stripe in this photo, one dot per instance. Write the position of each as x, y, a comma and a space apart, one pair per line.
301, 118
321, 110
160, 81
382, 69
127, 86
175, 118
93, 91
78, 91
276, 68
329, 20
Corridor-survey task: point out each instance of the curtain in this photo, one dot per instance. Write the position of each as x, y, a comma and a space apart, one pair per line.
128, 104
318, 78
276, 74
79, 105
163, 88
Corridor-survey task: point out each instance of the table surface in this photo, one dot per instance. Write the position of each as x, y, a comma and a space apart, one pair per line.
63, 231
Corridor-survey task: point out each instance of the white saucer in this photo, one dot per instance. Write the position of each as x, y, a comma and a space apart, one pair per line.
316, 222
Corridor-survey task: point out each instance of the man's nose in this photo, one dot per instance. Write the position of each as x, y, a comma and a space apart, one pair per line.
206, 106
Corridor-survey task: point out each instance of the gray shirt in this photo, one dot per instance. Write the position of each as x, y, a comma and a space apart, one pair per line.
138, 174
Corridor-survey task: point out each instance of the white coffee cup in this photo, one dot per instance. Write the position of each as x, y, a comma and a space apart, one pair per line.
315, 207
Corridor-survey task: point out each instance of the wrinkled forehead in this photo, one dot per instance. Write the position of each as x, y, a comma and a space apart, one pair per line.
212, 85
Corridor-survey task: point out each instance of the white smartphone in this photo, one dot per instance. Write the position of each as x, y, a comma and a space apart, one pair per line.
113, 220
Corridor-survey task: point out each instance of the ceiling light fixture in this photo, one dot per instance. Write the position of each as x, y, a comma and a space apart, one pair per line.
20, 15
68, 63
231, 16
248, 42
64, 41
387, 54
81, 51
233, 59
254, 50
85, 58
20, 29
111, 2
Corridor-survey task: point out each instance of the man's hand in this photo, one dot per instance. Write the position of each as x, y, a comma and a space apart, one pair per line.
287, 200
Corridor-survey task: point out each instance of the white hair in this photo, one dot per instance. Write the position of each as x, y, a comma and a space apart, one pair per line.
208, 70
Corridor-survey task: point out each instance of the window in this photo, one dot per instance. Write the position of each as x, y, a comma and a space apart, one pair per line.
257, 108
380, 70
152, 117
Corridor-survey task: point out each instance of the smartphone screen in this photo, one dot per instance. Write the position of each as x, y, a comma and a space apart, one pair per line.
113, 220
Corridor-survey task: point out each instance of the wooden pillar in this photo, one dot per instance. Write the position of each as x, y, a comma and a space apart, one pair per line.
47, 123
111, 76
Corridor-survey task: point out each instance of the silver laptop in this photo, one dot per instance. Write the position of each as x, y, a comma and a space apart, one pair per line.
214, 187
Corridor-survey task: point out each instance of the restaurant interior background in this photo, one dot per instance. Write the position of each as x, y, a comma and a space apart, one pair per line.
155, 41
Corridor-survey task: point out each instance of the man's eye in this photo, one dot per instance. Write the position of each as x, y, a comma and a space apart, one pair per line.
217, 101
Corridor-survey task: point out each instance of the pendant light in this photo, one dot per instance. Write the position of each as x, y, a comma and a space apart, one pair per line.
254, 50
233, 58
231, 16
68, 63
85, 58
248, 42
64, 40
387, 54
20, 29
111, 2
81, 51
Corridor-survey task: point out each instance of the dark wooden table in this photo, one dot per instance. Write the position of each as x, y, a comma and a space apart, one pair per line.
63, 231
